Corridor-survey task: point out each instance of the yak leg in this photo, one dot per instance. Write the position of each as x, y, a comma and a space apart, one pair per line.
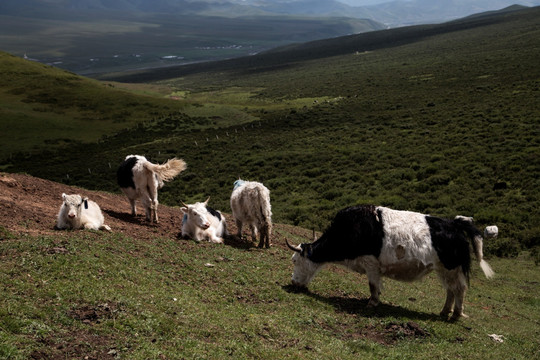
147, 204
458, 305
153, 201
133, 207
254, 232
132, 196
265, 237
455, 283
374, 279
239, 226
154, 212
447, 309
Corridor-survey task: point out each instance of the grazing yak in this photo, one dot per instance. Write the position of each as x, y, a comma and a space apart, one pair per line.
250, 204
491, 231
201, 222
401, 245
77, 212
140, 179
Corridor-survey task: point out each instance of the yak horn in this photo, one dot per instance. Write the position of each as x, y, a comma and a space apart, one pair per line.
293, 248
184, 204
206, 202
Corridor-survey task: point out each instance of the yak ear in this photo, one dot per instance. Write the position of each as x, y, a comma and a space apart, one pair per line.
85, 201
64, 196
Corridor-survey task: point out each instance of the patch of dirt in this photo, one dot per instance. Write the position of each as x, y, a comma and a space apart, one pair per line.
394, 332
76, 345
93, 314
29, 206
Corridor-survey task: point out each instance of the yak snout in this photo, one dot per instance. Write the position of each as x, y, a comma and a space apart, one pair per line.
205, 225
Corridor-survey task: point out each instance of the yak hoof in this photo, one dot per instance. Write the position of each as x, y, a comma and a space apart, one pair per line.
456, 317
444, 313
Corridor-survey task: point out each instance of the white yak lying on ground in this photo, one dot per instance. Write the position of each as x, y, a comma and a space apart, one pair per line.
201, 222
77, 212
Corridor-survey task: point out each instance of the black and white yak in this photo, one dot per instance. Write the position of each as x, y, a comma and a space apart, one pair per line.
401, 245
140, 179
201, 222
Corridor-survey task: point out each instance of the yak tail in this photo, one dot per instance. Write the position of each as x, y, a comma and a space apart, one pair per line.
486, 268
265, 211
168, 170
477, 243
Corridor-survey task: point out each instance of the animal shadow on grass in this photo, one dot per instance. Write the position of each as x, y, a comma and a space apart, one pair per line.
359, 306
239, 243
126, 217
229, 240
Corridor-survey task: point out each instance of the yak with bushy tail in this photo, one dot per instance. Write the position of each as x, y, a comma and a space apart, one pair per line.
401, 245
140, 179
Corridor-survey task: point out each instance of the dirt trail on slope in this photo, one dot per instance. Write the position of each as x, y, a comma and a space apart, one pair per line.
29, 205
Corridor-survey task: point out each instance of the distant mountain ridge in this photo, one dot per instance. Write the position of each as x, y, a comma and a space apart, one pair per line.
392, 13
318, 49
98, 36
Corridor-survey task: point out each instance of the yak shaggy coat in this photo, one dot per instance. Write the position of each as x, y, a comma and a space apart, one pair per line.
201, 222
250, 204
77, 212
140, 179
400, 245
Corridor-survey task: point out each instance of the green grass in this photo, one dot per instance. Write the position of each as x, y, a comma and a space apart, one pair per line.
43, 106
110, 294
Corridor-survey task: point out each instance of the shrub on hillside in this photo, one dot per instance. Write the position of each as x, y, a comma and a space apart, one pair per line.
502, 247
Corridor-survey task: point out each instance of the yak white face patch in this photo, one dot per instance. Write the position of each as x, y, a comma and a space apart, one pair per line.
304, 270
197, 213
73, 204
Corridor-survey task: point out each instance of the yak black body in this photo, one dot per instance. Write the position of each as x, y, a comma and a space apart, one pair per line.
124, 174
355, 231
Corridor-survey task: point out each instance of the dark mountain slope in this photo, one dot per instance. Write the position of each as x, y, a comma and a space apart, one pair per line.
370, 41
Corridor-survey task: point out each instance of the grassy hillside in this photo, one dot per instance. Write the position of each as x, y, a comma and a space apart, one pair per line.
445, 125
42, 105
142, 292
101, 296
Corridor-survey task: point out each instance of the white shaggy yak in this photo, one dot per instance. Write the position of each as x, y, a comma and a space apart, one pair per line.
77, 212
201, 222
250, 204
140, 179
491, 231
